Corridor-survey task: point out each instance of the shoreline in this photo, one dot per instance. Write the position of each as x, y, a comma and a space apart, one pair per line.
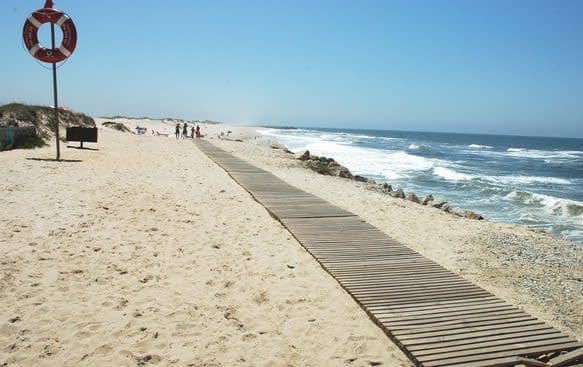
441, 200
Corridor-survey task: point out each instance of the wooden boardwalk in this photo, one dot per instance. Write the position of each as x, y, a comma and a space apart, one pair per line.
435, 316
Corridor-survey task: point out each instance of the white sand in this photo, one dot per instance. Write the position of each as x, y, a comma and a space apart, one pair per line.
146, 253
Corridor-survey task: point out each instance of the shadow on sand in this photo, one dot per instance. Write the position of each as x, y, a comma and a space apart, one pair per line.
54, 160
82, 148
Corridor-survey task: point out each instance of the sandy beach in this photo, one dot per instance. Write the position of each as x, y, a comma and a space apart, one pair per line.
144, 251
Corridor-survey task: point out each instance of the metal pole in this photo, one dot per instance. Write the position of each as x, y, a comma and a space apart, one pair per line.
56, 97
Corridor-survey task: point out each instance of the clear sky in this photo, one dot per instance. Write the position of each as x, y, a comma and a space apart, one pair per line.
509, 67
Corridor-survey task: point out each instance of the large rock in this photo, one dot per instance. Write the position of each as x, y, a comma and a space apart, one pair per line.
471, 215
344, 172
321, 168
439, 204
304, 156
386, 188
399, 193
465, 214
325, 165
414, 198
360, 178
427, 200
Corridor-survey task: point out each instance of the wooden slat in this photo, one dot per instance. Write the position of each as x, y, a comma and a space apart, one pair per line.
492, 349
563, 360
491, 343
493, 355
432, 305
453, 321
469, 343
436, 316
476, 334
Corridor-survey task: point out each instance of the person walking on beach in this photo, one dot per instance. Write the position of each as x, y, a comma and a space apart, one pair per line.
185, 131
177, 131
197, 131
192, 132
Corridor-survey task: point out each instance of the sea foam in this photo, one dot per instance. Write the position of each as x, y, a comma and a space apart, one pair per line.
552, 205
484, 174
545, 154
452, 175
478, 146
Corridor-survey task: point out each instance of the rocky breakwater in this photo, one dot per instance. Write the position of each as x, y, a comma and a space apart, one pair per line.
325, 166
328, 166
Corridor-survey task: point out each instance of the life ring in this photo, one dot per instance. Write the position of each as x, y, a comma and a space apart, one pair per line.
30, 35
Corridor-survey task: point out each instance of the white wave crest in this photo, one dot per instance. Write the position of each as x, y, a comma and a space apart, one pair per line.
550, 204
413, 147
545, 154
451, 175
478, 146
391, 164
526, 180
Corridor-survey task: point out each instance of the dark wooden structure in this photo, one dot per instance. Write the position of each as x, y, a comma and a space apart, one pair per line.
435, 316
82, 134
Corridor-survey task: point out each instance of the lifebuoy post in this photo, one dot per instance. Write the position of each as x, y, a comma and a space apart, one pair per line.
55, 92
53, 55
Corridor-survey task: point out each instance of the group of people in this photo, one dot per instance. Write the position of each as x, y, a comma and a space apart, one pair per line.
182, 132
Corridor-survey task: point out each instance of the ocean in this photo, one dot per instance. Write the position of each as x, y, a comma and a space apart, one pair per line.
534, 181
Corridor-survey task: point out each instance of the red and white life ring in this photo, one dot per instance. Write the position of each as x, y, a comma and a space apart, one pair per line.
30, 35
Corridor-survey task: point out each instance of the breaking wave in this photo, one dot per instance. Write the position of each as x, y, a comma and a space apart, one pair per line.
544, 154
552, 205
519, 182
478, 146
453, 175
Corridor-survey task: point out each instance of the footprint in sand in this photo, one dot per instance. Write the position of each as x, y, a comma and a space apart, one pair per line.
249, 336
230, 315
261, 298
146, 279
122, 303
103, 350
142, 360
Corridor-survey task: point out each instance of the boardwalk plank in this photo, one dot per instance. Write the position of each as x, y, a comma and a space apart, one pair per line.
545, 338
491, 355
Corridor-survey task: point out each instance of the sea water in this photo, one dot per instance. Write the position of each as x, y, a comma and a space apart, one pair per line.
535, 181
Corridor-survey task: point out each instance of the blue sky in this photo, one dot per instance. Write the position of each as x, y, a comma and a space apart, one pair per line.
509, 67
